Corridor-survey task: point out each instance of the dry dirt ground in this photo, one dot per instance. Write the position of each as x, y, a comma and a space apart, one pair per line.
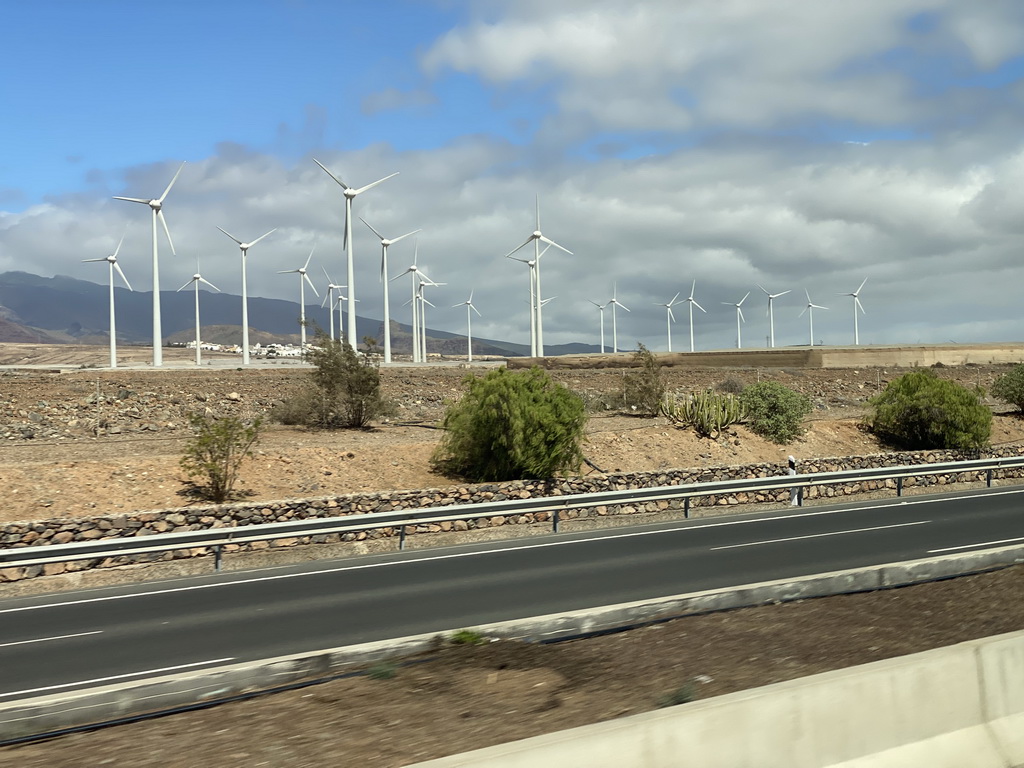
464, 697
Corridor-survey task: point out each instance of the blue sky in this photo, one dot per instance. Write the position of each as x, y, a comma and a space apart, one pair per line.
801, 144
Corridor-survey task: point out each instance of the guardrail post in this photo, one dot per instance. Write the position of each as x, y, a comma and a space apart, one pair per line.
686, 507
401, 537
555, 517
988, 478
899, 486
216, 557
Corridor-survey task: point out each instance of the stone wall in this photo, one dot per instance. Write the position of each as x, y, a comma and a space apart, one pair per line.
63, 530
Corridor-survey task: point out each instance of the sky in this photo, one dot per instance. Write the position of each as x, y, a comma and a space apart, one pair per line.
798, 145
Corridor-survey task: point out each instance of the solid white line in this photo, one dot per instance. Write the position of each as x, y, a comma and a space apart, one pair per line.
979, 544
820, 535
432, 557
115, 677
57, 637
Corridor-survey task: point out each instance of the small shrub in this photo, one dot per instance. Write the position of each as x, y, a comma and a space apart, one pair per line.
512, 426
1010, 387
684, 694
216, 452
731, 386
382, 670
775, 412
920, 411
644, 390
708, 412
467, 637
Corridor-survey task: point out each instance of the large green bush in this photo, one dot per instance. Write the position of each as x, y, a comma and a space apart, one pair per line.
774, 411
920, 411
512, 426
1010, 387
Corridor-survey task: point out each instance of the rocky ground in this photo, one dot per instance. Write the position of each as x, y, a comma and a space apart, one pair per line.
88, 441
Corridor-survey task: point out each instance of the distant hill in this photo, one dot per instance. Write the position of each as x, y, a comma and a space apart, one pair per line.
63, 309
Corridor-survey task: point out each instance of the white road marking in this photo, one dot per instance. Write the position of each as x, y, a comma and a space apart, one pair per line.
95, 680
820, 535
432, 557
979, 544
56, 637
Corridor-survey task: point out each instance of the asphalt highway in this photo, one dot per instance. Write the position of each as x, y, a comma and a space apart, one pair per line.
55, 643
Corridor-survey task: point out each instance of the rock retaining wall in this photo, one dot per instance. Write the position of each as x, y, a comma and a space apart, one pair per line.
63, 530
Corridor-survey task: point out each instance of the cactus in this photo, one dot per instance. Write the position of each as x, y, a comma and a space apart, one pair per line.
707, 411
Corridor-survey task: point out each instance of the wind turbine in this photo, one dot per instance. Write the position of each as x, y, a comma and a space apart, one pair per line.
156, 206
350, 195
245, 296
416, 273
771, 314
615, 331
669, 318
303, 279
809, 309
384, 243
856, 305
331, 288
423, 314
536, 238
600, 308
693, 303
196, 280
113, 265
468, 303
739, 318
534, 298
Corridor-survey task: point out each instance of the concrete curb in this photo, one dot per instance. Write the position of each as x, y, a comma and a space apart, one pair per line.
43, 714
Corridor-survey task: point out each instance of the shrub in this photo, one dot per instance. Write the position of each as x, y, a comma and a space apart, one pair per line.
512, 426
467, 637
1010, 387
644, 390
731, 386
342, 391
920, 411
216, 452
684, 694
382, 670
774, 411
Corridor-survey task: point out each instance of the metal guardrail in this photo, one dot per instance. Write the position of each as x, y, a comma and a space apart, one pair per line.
216, 538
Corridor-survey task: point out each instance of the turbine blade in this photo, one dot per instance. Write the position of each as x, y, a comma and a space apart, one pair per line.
161, 198
406, 235
762, 288
698, 306
118, 268
288, 272
306, 265
86, 261
623, 306
475, 310
552, 242
230, 235
808, 295
163, 220
341, 183
425, 301
859, 305
671, 315
862, 285
671, 303
262, 236
325, 273
692, 289
186, 285
378, 234
374, 184
310, 283
804, 310
740, 313
743, 299
528, 241
132, 199
119, 244
204, 280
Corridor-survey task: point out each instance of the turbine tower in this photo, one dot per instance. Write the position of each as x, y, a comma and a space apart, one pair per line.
303, 279
693, 303
416, 273
468, 303
245, 296
600, 308
739, 318
423, 314
856, 305
537, 304
809, 309
615, 330
331, 288
196, 280
156, 206
771, 315
113, 265
384, 243
669, 318
350, 195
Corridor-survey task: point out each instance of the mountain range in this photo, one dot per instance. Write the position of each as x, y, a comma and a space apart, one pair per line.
63, 309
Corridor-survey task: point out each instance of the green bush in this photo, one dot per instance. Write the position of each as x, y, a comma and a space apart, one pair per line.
644, 390
684, 694
512, 426
920, 411
216, 452
774, 411
467, 637
708, 412
1010, 387
342, 390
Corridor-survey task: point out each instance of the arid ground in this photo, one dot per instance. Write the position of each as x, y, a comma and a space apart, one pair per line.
89, 441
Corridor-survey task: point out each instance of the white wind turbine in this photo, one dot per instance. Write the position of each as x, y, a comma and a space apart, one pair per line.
615, 330
537, 318
245, 296
384, 243
195, 281
669, 318
350, 194
113, 265
417, 275
856, 305
156, 206
771, 314
468, 303
693, 303
809, 309
331, 288
600, 308
423, 314
303, 279
739, 318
